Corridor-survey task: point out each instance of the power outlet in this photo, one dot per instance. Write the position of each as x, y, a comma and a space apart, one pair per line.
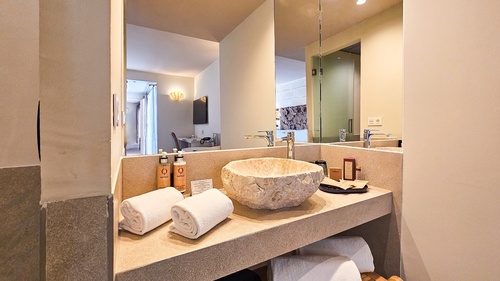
374, 121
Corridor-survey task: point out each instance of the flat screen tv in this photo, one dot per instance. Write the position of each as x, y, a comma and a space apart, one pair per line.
200, 110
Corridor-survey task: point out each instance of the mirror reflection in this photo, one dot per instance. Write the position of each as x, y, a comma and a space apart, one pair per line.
340, 92
376, 29
178, 45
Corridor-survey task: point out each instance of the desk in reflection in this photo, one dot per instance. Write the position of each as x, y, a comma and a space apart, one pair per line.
197, 144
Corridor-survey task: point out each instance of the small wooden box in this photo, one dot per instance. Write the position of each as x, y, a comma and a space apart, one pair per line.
336, 173
349, 169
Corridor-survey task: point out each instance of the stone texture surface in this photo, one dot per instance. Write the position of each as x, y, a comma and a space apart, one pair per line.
293, 117
139, 172
271, 183
77, 239
248, 237
381, 168
384, 169
20, 223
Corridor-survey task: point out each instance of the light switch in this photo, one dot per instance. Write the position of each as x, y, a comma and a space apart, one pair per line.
374, 121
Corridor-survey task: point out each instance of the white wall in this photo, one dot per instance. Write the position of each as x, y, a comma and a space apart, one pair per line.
19, 76
78, 76
131, 123
207, 83
173, 116
381, 39
247, 79
291, 93
451, 153
117, 72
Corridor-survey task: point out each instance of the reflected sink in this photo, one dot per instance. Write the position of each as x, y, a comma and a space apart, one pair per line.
271, 183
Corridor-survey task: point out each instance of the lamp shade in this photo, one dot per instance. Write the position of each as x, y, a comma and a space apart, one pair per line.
176, 95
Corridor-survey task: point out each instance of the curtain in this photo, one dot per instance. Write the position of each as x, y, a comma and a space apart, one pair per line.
151, 131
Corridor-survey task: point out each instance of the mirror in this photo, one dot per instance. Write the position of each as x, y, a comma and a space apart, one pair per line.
223, 50
377, 27
153, 20
376, 82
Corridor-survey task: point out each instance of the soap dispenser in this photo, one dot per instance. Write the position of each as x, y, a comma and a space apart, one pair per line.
163, 171
180, 172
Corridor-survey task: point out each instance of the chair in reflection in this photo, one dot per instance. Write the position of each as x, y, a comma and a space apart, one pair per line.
176, 141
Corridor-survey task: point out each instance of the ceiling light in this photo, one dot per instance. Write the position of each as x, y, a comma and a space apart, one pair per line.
361, 2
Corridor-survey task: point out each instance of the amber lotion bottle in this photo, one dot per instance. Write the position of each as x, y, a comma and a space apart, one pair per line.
163, 172
180, 173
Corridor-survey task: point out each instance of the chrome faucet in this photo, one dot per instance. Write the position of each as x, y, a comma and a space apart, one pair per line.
268, 137
368, 134
290, 144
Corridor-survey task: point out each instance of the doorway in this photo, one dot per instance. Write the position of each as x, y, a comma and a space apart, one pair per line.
141, 129
338, 97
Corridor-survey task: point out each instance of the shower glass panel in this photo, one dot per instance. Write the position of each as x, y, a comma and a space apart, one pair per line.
337, 96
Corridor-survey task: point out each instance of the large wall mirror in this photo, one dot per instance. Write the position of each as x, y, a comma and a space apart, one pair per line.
256, 61
353, 67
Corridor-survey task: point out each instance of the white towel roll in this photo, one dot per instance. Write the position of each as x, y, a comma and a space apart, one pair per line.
198, 214
352, 247
317, 268
147, 211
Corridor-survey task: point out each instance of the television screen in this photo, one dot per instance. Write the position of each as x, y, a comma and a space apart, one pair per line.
200, 110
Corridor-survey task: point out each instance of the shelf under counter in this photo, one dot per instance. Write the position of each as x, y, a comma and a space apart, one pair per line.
248, 237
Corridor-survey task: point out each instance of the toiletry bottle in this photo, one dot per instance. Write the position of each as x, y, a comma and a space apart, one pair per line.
163, 171
322, 163
359, 174
180, 173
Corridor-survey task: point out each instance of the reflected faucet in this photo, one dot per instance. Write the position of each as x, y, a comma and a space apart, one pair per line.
368, 134
268, 137
290, 145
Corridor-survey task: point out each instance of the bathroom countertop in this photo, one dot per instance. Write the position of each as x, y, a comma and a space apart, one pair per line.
248, 237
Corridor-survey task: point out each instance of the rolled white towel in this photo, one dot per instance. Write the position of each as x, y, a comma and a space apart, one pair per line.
353, 247
147, 211
198, 214
318, 268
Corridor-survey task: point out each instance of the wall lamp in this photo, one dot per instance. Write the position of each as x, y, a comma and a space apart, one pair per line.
361, 2
176, 95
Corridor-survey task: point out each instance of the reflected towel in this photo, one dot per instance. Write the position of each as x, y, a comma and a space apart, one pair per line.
353, 247
198, 214
317, 268
147, 211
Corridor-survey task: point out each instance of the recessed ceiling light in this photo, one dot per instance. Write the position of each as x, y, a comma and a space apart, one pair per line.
361, 2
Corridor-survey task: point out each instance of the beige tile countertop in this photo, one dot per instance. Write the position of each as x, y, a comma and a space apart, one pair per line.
248, 237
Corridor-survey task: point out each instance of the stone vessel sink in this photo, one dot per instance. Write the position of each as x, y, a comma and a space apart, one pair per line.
271, 183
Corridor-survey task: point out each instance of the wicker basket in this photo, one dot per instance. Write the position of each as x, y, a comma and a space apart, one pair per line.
372, 276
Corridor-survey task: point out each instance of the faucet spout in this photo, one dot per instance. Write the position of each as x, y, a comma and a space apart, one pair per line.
268, 137
368, 134
290, 144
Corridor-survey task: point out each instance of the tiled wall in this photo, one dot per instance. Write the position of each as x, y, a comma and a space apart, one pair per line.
20, 223
65, 240
77, 238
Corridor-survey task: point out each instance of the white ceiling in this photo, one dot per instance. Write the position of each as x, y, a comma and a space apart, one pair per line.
163, 52
137, 89
162, 34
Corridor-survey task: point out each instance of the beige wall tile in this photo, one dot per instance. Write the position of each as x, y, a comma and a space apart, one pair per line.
77, 239
20, 223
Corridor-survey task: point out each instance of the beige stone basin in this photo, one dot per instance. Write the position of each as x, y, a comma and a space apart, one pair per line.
271, 183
